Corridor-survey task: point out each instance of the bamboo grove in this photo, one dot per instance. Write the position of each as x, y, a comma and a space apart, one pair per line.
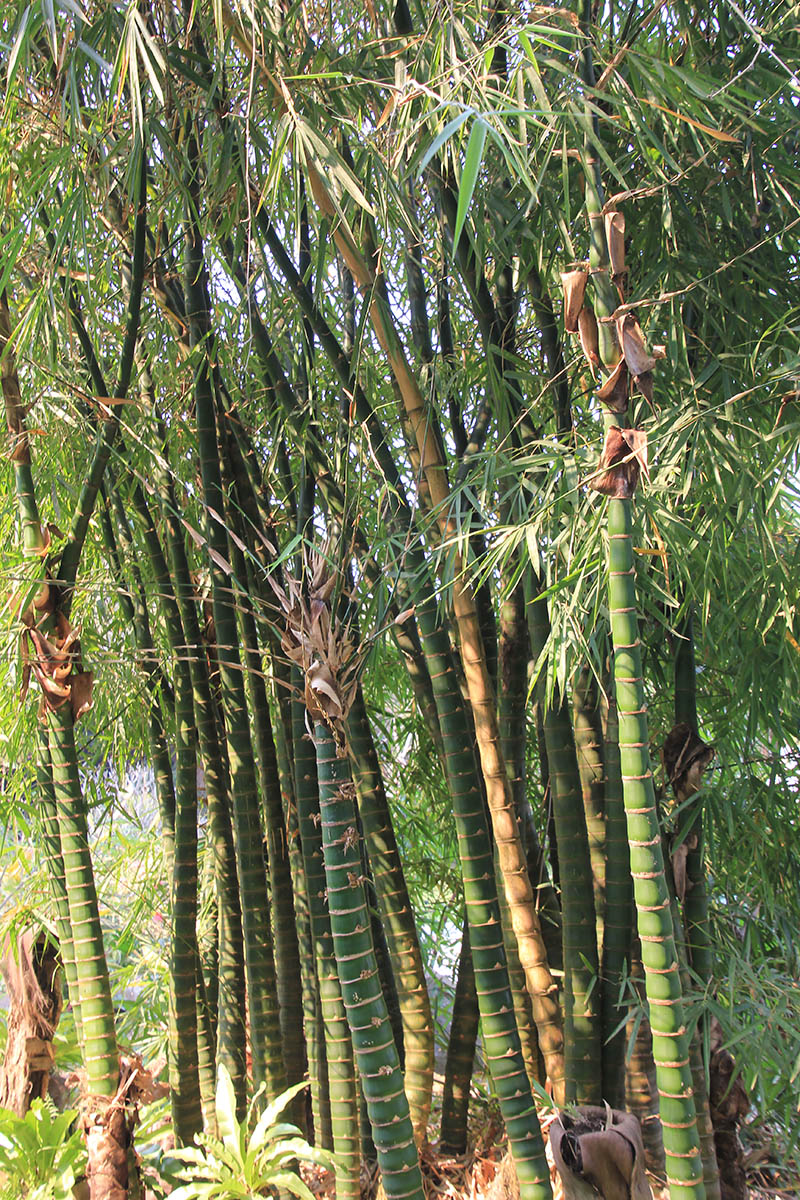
402, 417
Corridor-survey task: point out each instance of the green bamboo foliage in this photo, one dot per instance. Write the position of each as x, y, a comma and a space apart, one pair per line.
108, 429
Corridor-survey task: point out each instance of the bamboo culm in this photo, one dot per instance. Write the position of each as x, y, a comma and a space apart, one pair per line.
368, 1018
659, 957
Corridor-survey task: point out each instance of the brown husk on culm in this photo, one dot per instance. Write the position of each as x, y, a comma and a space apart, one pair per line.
686, 757
623, 459
31, 971
599, 1151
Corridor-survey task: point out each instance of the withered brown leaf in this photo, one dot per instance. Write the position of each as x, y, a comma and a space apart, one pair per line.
615, 237
623, 459
587, 332
614, 392
574, 285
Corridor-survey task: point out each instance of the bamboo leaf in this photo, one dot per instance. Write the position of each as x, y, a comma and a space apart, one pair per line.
19, 44
328, 160
443, 136
469, 176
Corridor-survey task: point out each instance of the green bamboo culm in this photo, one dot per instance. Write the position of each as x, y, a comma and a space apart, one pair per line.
373, 1043
177, 801
618, 931
284, 922
460, 1054
498, 1025
397, 914
259, 963
578, 927
589, 750
54, 862
226, 1007
184, 1070
335, 1105
100, 1055
695, 905
659, 957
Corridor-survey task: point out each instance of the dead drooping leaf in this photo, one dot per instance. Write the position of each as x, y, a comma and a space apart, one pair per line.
623, 459
81, 693
614, 392
587, 332
679, 859
574, 285
322, 696
639, 359
615, 237
644, 384
686, 757
138, 1081
25, 676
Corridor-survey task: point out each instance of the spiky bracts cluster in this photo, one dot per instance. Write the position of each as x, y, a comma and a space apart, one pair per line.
320, 644
50, 649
